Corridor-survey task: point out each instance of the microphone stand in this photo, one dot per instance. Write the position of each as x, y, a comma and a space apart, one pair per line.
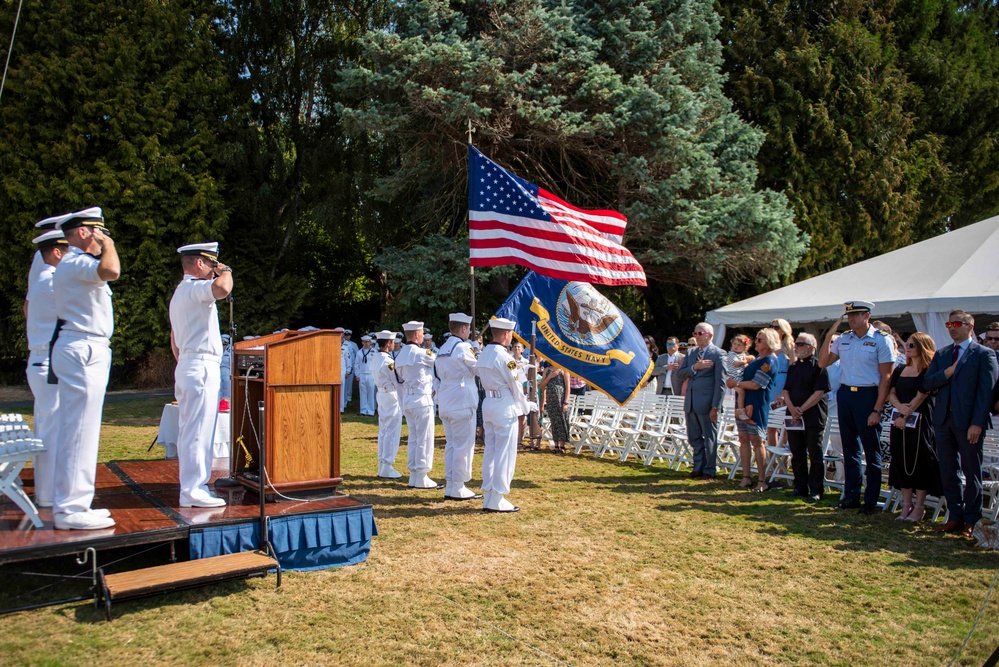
231, 479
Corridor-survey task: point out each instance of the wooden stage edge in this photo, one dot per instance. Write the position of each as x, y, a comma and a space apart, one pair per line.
143, 497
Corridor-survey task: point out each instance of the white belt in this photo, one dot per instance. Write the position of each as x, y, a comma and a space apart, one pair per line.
497, 393
39, 349
184, 356
70, 334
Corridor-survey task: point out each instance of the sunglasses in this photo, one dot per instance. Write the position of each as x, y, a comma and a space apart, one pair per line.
910, 345
799, 343
670, 344
955, 324
701, 333
992, 338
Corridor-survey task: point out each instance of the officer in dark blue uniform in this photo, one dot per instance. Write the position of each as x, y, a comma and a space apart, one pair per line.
866, 363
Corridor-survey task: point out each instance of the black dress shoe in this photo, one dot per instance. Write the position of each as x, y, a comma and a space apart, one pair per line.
696, 475
515, 509
868, 509
477, 496
814, 498
848, 504
797, 493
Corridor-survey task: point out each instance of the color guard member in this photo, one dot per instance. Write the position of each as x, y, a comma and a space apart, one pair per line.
503, 404
457, 398
415, 366
364, 365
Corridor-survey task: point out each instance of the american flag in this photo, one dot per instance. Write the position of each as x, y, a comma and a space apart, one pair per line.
512, 221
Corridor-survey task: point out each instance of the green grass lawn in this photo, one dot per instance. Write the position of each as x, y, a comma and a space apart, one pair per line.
607, 563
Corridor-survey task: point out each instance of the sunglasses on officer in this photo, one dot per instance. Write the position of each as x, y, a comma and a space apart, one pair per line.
956, 324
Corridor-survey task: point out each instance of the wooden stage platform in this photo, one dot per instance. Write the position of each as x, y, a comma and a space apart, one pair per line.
143, 497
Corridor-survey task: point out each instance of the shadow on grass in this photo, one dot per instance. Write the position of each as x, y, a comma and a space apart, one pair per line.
393, 499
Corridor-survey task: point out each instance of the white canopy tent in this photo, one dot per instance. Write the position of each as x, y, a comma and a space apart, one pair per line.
924, 281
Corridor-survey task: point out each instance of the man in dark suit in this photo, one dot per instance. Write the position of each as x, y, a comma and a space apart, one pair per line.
703, 400
964, 374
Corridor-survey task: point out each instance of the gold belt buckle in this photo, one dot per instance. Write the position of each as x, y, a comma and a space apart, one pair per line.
854, 389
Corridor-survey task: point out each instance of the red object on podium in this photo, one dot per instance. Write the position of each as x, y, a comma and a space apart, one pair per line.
224, 405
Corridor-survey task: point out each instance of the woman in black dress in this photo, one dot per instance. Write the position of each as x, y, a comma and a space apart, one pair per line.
914, 464
555, 398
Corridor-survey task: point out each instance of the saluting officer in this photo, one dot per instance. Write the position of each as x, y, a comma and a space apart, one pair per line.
40, 316
81, 359
416, 366
457, 399
197, 347
389, 410
503, 404
365, 377
866, 363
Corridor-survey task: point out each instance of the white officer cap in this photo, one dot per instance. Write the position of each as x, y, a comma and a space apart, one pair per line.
226, 338
461, 318
338, 329
309, 328
398, 335
858, 307
502, 324
412, 325
50, 223
88, 217
348, 331
209, 250
475, 344
385, 335
364, 338
50, 239
428, 337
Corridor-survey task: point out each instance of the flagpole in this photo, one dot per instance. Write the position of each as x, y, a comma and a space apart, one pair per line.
534, 423
471, 268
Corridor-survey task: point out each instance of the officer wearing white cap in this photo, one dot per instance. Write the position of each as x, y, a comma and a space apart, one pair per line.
81, 359
365, 377
40, 316
415, 366
428, 342
398, 345
457, 398
352, 370
865, 365
388, 383
504, 403
347, 359
197, 347
37, 262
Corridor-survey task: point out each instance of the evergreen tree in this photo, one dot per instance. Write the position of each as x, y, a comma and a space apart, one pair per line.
609, 103
112, 104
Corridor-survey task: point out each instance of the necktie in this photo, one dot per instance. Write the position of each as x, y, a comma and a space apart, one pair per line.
700, 353
957, 351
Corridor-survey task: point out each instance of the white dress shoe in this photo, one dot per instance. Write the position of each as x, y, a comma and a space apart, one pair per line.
386, 471
461, 492
81, 521
497, 503
423, 482
204, 502
100, 511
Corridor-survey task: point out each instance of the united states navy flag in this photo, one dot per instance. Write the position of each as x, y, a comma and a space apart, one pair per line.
580, 330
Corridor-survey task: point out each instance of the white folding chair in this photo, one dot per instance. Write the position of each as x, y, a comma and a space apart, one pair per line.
17, 445
778, 456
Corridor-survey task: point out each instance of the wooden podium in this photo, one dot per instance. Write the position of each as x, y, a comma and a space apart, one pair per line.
297, 376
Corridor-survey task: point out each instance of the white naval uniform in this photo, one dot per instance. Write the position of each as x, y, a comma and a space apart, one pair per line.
389, 410
457, 399
351, 371
81, 359
503, 404
346, 373
41, 323
415, 366
364, 365
194, 320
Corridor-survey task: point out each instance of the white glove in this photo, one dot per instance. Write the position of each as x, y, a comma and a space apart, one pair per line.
532, 406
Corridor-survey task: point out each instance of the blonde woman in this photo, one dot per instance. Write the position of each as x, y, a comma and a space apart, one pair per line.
758, 382
914, 464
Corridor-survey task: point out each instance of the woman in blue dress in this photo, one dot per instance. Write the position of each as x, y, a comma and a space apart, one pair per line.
758, 382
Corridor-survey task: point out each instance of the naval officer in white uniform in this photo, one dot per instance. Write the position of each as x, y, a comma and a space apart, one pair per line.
81, 359
504, 403
457, 398
37, 262
197, 347
352, 368
364, 365
40, 316
389, 410
415, 366
346, 368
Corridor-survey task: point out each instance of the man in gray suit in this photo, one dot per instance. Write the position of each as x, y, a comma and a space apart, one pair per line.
963, 374
703, 400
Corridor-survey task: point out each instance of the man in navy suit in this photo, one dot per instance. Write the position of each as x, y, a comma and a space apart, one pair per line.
964, 374
703, 400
